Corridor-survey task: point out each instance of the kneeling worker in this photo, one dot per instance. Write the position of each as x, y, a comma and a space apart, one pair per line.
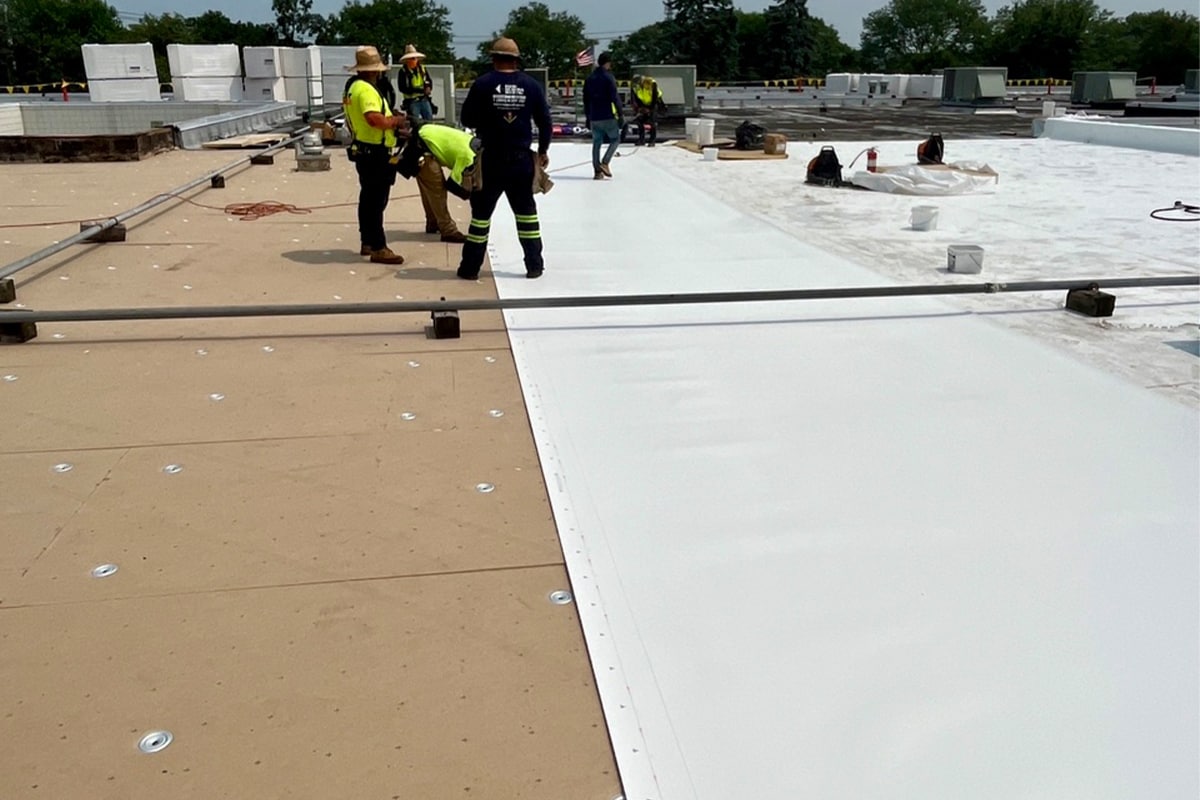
374, 126
647, 101
429, 149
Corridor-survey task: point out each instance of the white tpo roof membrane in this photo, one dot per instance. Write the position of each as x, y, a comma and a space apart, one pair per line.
874, 547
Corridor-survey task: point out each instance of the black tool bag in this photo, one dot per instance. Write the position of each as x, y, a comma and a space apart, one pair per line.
749, 136
931, 150
825, 169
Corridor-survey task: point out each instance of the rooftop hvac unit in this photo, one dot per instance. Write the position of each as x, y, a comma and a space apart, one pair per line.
1191, 81
1101, 88
974, 86
541, 75
111, 61
677, 83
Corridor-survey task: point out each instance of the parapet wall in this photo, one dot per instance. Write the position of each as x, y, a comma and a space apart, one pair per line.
1161, 139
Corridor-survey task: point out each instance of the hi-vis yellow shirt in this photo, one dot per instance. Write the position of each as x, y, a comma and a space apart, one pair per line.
450, 146
361, 99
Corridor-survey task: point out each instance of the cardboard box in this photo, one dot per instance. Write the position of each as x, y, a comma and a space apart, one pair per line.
775, 144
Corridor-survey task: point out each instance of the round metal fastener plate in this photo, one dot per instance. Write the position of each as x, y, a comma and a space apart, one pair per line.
155, 741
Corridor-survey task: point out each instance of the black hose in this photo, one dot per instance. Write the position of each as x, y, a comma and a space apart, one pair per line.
1192, 213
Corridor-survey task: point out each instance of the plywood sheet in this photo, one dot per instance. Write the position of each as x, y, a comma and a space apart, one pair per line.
750, 155
250, 140
434, 687
298, 511
147, 393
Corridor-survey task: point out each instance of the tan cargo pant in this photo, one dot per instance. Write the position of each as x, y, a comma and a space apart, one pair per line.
433, 197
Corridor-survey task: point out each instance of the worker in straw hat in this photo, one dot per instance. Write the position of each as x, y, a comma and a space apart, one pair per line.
416, 88
373, 151
502, 107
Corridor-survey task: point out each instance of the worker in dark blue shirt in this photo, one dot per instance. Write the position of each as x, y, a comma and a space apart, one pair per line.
502, 107
602, 107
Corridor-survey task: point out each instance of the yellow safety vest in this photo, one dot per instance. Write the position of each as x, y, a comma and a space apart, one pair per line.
361, 99
450, 146
645, 93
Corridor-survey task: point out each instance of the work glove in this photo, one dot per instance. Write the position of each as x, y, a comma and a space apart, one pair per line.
544, 160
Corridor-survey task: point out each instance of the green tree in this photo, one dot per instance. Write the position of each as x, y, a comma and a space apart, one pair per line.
648, 45
753, 61
294, 20
391, 24
40, 39
160, 31
1163, 45
922, 35
1051, 38
705, 34
829, 52
789, 38
546, 39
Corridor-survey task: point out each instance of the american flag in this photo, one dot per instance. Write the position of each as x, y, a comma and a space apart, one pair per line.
585, 58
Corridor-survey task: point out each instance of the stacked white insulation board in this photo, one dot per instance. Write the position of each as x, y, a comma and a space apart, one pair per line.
120, 73
284, 74
334, 62
206, 72
886, 548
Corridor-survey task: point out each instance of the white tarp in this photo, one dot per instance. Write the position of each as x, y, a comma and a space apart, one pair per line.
952, 179
855, 548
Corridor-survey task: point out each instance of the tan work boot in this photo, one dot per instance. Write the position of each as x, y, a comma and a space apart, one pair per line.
607, 172
458, 237
365, 251
386, 256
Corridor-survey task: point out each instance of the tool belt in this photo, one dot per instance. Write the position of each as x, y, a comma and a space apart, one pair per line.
364, 151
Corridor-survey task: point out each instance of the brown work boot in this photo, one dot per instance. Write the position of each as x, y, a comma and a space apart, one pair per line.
431, 227
599, 176
607, 172
458, 237
365, 250
386, 256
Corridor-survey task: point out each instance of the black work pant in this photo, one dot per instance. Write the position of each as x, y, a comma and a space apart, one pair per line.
511, 175
645, 118
375, 180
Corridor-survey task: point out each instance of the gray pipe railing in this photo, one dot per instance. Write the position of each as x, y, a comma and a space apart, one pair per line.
322, 309
110, 222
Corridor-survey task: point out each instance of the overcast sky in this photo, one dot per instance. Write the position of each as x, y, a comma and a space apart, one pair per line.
605, 19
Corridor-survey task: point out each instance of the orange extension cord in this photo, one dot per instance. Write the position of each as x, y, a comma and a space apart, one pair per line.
247, 212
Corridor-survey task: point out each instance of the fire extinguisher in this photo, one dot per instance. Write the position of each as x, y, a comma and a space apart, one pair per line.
872, 160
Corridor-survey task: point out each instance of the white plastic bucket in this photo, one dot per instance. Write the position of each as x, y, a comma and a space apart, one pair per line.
705, 131
710, 154
966, 258
691, 126
1048, 107
924, 218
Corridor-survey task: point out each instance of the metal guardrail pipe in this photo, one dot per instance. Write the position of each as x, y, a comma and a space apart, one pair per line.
109, 222
324, 309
